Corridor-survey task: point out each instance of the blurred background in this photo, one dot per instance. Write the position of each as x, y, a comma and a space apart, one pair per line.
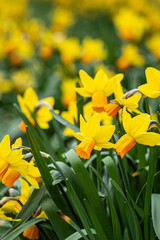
44, 44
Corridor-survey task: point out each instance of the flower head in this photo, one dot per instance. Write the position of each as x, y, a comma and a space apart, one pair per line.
152, 87
93, 136
12, 165
31, 106
121, 100
136, 132
98, 88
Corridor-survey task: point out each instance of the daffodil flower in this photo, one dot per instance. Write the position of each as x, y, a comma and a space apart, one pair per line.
31, 106
98, 88
93, 136
136, 132
121, 100
12, 166
152, 87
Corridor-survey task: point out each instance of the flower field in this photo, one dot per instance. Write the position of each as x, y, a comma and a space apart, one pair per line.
79, 120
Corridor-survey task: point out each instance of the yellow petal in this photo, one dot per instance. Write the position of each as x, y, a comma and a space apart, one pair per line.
83, 92
87, 81
153, 78
104, 134
5, 146
109, 88
139, 124
101, 80
17, 143
126, 118
92, 126
79, 136
83, 125
148, 91
131, 102
148, 138
105, 145
30, 98
118, 90
49, 100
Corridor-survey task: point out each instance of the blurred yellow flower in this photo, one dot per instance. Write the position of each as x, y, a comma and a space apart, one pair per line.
130, 24
92, 49
21, 80
153, 44
62, 18
130, 57
30, 105
69, 50
68, 91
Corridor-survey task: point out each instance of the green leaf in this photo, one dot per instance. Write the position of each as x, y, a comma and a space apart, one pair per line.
155, 209
64, 122
61, 228
15, 232
76, 235
57, 197
90, 192
79, 209
30, 206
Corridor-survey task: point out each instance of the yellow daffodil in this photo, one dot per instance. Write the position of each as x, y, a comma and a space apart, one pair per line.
129, 57
68, 91
152, 87
92, 49
12, 165
13, 206
30, 105
21, 80
93, 136
98, 88
121, 100
136, 132
130, 24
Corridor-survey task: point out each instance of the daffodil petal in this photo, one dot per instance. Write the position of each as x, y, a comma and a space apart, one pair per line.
148, 138
83, 92
49, 100
92, 125
105, 145
101, 80
79, 136
139, 124
148, 91
104, 134
30, 98
5, 147
87, 81
83, 125
126, 118
109, 87
153, 78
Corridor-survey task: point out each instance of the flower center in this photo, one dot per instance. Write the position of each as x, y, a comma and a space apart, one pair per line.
124, 144
10, 177
3, 168
85, 148
112, 109
99, 100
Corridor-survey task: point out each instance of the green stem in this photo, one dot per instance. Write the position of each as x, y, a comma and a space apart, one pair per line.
149, 187
99, 169
147, 106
